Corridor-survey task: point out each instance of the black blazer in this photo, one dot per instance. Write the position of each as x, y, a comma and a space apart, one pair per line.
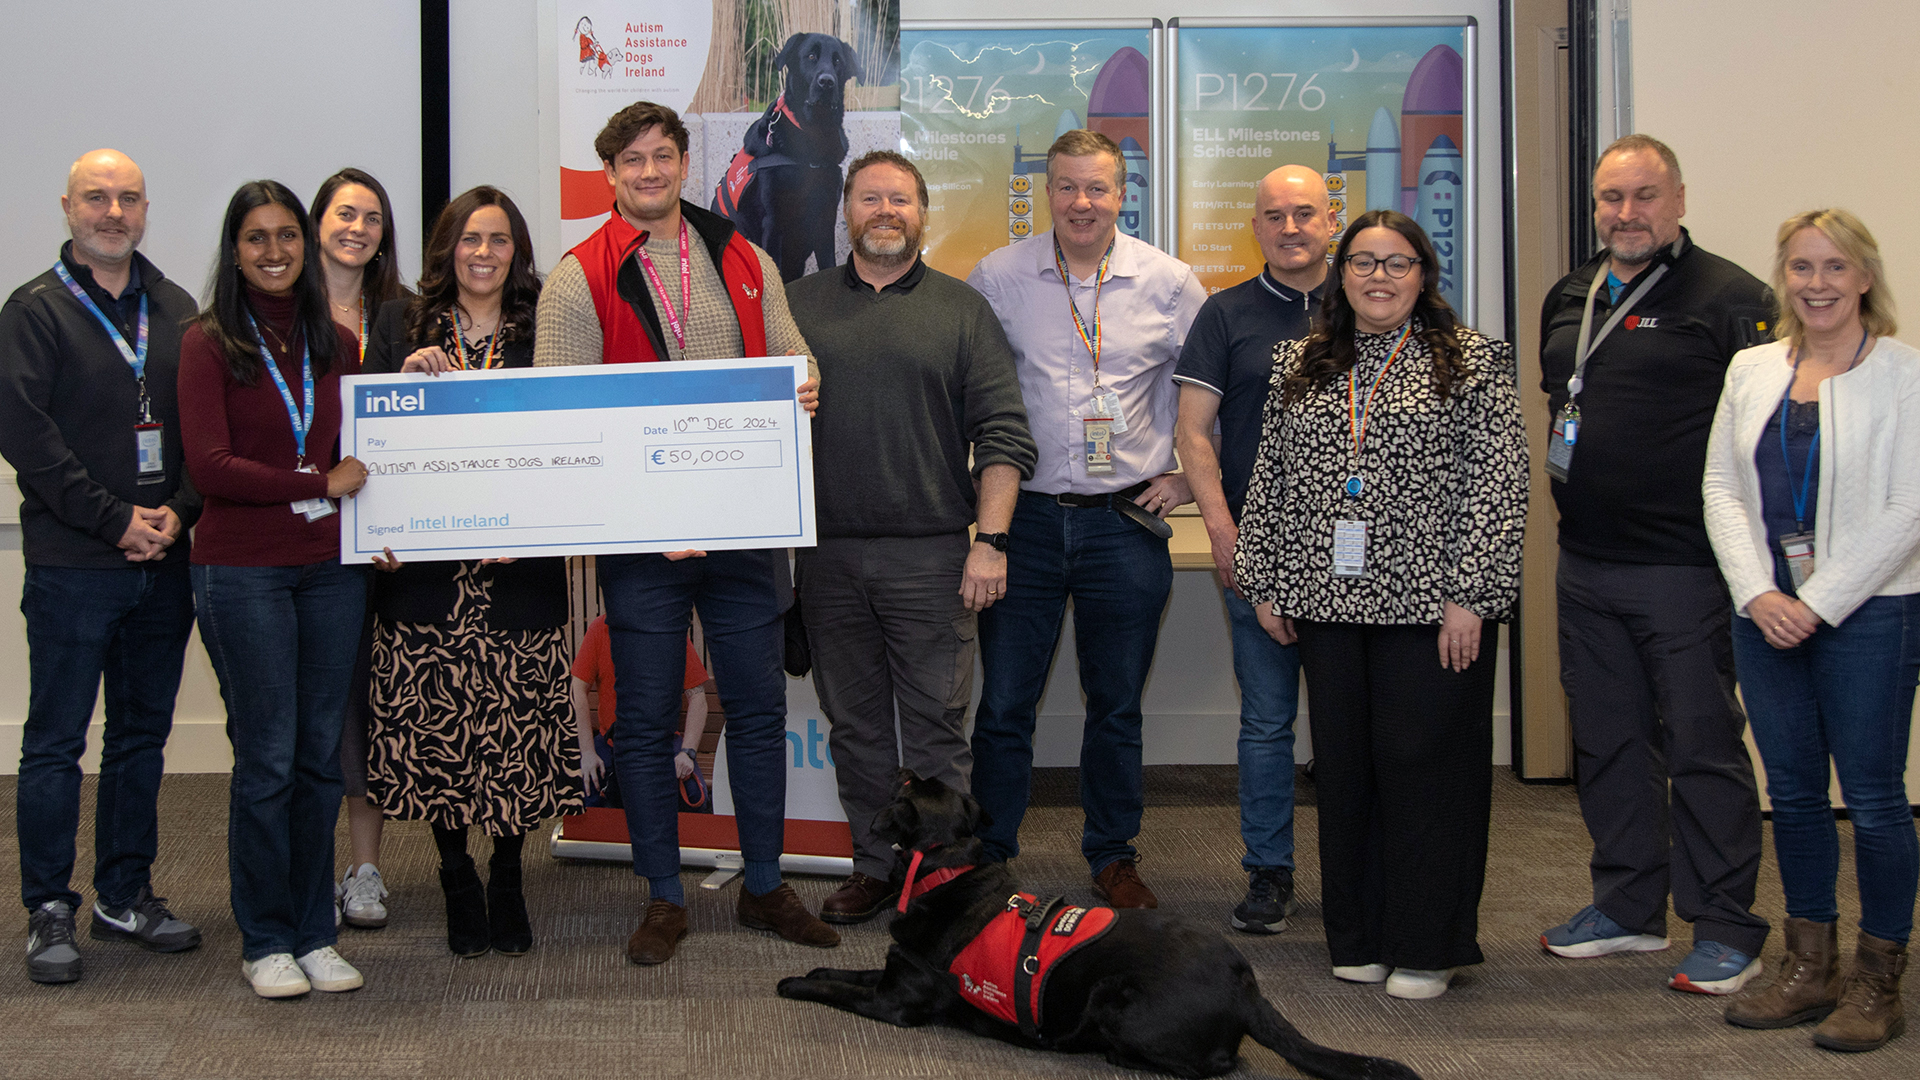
530, 594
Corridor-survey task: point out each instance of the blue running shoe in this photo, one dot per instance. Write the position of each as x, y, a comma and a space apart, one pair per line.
1713, 968
1591, 933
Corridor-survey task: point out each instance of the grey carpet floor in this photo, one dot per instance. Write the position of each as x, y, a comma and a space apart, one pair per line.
575, 1008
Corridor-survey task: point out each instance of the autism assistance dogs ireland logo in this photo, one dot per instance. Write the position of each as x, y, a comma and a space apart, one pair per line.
593, 59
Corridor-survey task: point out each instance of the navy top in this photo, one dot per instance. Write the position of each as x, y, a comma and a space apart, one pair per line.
1781, 476
1229, 351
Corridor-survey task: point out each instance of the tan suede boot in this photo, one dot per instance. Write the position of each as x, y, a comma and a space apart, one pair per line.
1807, 986
1869, 1014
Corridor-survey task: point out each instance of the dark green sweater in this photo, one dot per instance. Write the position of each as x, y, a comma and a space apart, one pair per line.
911, 377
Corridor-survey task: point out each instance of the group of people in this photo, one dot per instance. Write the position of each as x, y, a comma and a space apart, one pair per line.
982, 456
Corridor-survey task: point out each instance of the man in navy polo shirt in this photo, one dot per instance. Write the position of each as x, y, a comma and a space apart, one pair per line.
1223, 375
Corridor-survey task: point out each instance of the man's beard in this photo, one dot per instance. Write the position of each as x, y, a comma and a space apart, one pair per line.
900, 248
1633, 247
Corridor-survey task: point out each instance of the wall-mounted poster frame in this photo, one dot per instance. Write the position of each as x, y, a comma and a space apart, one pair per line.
1402, 115
981, 101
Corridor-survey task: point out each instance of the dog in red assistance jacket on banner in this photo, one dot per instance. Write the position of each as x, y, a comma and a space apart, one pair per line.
1145, 987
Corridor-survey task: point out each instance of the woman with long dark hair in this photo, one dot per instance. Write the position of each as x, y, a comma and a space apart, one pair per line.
1383, 527
471, 707
353, 224
260, 418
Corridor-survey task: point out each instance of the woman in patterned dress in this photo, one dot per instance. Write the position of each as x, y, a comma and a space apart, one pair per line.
1383, 526
472, 722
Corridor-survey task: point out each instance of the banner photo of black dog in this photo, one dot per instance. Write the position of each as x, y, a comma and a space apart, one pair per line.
777, 96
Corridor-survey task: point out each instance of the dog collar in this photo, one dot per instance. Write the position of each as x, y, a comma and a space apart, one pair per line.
785, 110
912, 890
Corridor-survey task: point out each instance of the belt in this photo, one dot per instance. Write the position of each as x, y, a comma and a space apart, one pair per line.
1068, 498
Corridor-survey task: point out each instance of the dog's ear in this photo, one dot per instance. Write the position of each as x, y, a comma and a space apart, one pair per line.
788, 52
853, 60
896, 822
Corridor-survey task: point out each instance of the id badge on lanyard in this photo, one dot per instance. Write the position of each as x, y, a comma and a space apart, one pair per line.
1566, 432
1566, 425
149, 443
1798, 548
1350, 549
1099, 433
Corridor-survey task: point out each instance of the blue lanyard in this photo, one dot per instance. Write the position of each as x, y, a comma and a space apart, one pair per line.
135, 352
301, 423
1813, 448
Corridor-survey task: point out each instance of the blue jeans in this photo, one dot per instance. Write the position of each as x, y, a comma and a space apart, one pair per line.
129, 625
649, 600
282, 640
1269, 677
1845, 695
1119, 576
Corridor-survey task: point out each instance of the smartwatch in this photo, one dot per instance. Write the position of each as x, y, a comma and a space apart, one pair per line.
997, 541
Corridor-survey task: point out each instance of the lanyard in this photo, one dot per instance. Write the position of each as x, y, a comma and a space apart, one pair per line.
660, 290
301, 423
135, 354
1813, 448
1588, 343
363, 326
493, 342
1091, 341
1357, 413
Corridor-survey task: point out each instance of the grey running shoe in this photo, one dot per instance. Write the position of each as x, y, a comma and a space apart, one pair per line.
52, 957
146, 922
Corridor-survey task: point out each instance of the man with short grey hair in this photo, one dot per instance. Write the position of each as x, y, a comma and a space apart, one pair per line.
1634, 349
916, 377
1096, 320
88, 355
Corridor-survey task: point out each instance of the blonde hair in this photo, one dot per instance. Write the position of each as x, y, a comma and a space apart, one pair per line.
1857, 246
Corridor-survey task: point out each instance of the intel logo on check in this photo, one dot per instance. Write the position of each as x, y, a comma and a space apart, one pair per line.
394, 401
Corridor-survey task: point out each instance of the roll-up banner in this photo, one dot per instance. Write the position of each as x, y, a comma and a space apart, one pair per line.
1381, 109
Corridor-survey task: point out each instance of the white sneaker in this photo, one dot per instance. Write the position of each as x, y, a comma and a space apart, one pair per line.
1415, 984
326, 971
275, 976
360, 893
1361, 973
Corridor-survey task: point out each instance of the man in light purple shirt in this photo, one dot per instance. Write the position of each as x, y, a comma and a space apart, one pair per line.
1096, 320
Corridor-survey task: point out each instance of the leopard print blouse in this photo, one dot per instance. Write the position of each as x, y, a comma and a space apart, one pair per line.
1445, 497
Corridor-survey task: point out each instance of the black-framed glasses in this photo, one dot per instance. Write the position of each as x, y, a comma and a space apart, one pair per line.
1396, 266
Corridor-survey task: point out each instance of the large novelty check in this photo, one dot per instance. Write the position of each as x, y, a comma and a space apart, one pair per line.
711, 454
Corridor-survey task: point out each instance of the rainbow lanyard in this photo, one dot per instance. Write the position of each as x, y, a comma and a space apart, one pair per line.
1090, 340
686, 287
1358, 413
460, 342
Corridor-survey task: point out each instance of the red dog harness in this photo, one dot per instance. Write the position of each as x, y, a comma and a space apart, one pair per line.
745, 166
1003, 971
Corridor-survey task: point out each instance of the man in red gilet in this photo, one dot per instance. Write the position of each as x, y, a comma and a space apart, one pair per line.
666, 280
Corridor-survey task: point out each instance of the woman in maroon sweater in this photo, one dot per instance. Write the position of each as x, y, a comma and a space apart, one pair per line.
280, 616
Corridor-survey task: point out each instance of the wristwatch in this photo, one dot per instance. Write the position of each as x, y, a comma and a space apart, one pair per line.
998, 541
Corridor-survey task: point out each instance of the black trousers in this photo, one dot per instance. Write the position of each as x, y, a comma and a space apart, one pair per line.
1403, 763
1666, 785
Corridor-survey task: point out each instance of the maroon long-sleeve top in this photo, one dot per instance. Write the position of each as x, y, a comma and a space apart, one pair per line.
241, 451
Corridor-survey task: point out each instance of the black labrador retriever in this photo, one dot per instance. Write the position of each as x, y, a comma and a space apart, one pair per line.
782, 189
1145, 988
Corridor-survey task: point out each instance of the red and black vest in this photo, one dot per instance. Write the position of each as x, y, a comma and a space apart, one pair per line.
1003, 971
624, 337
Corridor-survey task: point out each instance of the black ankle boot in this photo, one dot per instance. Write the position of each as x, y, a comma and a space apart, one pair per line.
467, 932
507, 910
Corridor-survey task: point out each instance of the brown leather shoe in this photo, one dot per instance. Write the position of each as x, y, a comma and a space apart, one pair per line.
660, 930
1120, 886
782, 912
1870, 1013
1807, 986
858, 899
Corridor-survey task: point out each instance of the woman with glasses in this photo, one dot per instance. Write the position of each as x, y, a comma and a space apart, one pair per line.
472, 713
279, 615
1812, 495
1383, 528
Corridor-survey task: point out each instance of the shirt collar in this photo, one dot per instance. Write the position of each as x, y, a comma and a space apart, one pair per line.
1291, 294
904, 283
83, 274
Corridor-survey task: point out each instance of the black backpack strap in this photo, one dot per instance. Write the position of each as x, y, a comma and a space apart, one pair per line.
1036, 914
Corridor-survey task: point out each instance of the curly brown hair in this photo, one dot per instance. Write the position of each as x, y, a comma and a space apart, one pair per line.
1329, 351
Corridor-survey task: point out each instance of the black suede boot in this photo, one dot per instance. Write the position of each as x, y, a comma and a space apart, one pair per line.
466, 908
507, 909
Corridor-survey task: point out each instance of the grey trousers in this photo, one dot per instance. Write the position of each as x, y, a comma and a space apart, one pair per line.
1666, 785
890, 636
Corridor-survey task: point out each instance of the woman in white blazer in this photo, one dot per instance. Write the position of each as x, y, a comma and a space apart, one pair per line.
1812, 497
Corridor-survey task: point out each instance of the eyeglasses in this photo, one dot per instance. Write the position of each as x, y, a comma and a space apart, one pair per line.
1396, 266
